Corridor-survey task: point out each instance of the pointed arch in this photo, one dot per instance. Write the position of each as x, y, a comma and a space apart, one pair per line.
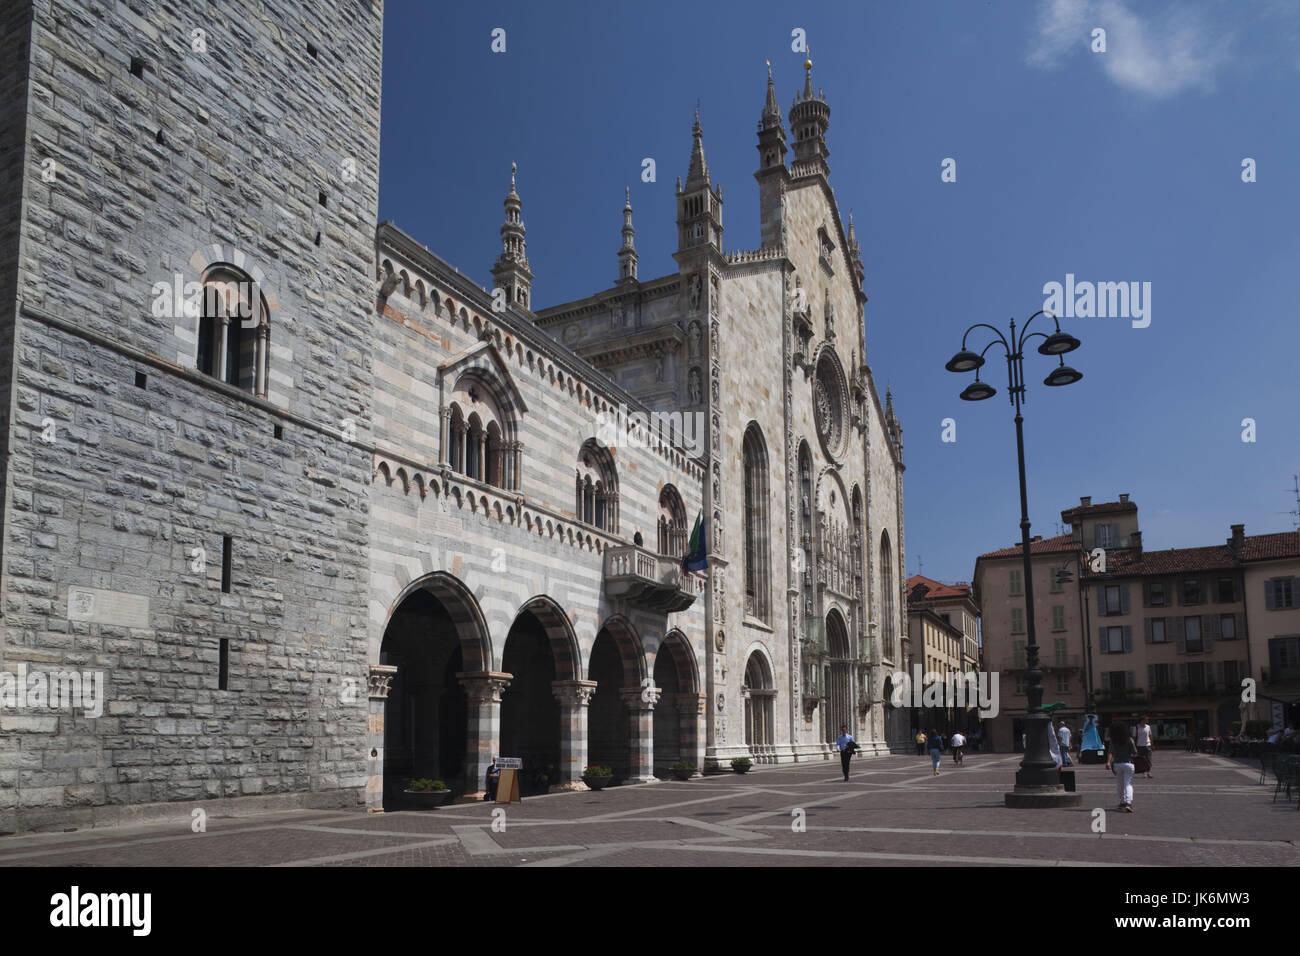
758, 575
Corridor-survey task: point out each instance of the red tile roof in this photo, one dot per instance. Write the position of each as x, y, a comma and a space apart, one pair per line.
1061, 544
1079, 512
1264, 547
1123, 561
936, 589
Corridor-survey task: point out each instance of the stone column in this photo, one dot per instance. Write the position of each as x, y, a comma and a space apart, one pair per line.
483, 725
640, 703
381, 677
574, 697
223, 325
690, 718
261, 358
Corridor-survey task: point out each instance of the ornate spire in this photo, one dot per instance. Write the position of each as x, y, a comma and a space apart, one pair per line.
511, 270
771, 112
809, 118
627, 253
698, 173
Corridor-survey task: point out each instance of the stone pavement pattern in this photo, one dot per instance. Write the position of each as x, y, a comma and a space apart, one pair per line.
1196, 811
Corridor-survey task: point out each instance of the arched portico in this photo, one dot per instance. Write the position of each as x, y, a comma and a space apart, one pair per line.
426, 718
679, 713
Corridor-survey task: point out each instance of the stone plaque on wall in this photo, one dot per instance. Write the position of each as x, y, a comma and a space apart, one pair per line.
99, 606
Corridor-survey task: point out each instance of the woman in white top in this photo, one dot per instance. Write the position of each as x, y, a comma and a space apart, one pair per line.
1143, 740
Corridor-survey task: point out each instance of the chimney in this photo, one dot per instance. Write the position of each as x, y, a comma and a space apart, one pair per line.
1123, 499
1085, 502
1238, 538
1135, 542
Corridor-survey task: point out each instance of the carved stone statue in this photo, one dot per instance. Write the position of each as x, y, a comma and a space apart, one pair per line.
694, 287
693, 335
694, 387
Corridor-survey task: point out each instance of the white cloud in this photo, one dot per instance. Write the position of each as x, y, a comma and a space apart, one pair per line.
1157, 54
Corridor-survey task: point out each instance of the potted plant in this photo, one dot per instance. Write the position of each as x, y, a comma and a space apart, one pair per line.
683, 770
426, 794
597, 778
741, 764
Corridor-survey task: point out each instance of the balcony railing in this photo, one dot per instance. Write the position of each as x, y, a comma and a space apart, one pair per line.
648, 579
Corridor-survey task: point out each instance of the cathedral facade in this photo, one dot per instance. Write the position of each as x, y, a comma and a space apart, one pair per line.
323, 515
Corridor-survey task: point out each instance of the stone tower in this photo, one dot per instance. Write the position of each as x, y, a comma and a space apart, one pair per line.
511, 270
185, 504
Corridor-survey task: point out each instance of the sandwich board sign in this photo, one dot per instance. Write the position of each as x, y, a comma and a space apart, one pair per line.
508, 782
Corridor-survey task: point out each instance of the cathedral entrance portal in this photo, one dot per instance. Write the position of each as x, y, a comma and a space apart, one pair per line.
839, 684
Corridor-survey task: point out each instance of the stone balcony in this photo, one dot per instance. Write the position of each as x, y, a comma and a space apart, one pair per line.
649, 580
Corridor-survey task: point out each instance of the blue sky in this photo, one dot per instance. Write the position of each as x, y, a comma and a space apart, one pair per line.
1115, 166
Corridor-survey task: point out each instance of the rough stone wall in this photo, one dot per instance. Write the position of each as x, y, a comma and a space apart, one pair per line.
256, 152
15, 35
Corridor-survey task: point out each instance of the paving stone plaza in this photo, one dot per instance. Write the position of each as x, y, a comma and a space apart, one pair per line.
1196, 811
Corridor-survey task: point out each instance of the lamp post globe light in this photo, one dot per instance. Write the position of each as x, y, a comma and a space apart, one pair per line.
1038, 783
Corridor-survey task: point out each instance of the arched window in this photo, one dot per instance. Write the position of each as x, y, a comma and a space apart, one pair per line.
757, 540
672, 523
760, 702
479, 432
596, 483
234, 330
887, 596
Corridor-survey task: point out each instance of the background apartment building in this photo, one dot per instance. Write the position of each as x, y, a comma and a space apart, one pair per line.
1170, 634
1271, 572
943, 627
999, 594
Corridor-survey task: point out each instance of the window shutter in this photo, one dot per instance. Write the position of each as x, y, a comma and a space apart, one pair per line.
1128, 638
1268, 596
1151, 676
1182, 674
1129, 680
1218, 674
1180, 635
1209, 629
1123, 598
1239, 625
1101, 598
1101, 640
1146, 593
1146, 626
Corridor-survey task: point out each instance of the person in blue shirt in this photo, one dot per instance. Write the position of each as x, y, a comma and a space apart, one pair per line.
935, 743
847, 746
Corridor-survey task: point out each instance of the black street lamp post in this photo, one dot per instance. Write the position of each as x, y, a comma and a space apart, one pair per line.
1038, 783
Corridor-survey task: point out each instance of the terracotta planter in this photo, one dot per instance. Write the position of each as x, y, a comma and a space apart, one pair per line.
426, 799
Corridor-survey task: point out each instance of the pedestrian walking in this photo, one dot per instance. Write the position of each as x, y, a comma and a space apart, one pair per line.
847, 747
958, 744
1119, 761
1063, 737
1144, 742
920, 743
935, 743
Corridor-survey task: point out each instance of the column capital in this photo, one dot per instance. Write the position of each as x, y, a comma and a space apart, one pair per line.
574, 693
381, 678
640, 698
484, 686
